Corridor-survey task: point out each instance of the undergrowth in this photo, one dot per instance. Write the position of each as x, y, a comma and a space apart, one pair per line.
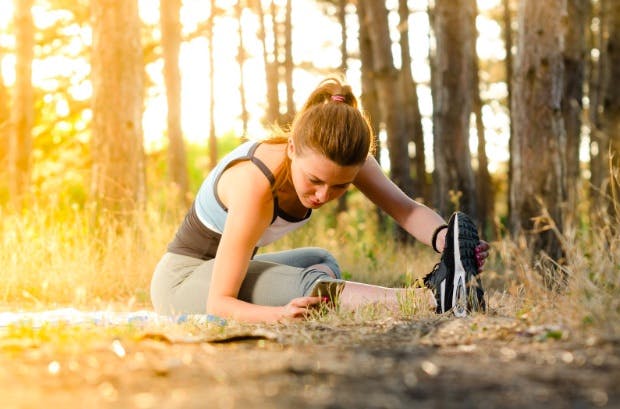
53, 257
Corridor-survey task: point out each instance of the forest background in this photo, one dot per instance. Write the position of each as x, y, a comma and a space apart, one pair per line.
112, 113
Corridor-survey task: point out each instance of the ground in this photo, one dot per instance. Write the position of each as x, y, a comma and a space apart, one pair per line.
482, 361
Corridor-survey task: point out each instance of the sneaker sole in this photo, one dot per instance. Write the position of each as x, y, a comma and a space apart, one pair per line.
465, 267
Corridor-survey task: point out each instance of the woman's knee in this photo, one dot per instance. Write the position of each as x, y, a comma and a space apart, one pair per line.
326, 262
311, 274
323, 268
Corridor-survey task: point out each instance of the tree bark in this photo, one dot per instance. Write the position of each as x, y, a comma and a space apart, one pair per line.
388, 92
596, 94
118, 174
508, 41
241, 58
611, 107
538, 177
411, 106
390, 98
574, 76
344, 56
289, 64
486, 194
369, 96
5, 130
212, 136
22, 114
270, 61
171, 43
455, 184
273, 69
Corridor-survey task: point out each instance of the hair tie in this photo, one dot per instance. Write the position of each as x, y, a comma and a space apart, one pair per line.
338, 98
435, 234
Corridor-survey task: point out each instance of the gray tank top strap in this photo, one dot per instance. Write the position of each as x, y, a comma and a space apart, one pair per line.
261, 165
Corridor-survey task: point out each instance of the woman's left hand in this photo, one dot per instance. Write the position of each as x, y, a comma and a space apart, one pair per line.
482, 252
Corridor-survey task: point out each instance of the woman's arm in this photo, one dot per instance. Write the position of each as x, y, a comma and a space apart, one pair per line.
247, 195
417, 219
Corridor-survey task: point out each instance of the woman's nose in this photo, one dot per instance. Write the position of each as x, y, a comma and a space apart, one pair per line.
322, 194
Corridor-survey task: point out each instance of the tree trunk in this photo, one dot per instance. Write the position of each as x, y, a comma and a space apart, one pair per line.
20, 145
538, 178
369, 96
390, 98
611, 107
273, 70
171, 43
342, 21
388, 92
118, 183
5, 130
508, 36
288, 64
241, 58
411, 106
599, 140
486, 194
271, 67
344, 56
455, 184
212, 136
574, 75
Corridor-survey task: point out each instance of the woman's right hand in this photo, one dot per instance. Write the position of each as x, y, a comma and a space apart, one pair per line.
299, 307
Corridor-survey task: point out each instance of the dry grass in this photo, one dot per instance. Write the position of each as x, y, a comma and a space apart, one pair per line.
58, 258
585, 300
53, 258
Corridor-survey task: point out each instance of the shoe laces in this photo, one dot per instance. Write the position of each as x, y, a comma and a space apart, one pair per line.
435, 277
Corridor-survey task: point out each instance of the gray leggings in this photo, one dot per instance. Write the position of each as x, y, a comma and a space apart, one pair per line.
180, 284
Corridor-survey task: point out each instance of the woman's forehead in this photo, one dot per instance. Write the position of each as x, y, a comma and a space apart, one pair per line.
319, 166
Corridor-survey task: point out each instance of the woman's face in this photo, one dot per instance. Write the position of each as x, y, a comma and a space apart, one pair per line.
316, 179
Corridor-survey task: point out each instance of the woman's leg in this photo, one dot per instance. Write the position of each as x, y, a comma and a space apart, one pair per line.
180, 284
354, 294
176, 288
357, 294
304, 257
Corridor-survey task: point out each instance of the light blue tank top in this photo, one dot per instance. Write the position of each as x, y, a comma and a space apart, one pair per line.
212, 213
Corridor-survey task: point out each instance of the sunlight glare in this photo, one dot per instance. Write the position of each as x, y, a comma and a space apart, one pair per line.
490, 44
6, 14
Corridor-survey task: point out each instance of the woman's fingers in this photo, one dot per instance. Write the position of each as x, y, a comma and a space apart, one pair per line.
305, 301
482, 252
482, 246
300, 307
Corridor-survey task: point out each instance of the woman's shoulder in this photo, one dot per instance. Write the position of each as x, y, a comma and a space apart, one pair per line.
244, 181
271, 155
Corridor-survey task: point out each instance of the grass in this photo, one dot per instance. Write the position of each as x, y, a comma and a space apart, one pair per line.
53, 258
60, 258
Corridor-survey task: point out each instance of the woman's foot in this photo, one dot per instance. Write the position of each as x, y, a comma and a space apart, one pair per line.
454, 280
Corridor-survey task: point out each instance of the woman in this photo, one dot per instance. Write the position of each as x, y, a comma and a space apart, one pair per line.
263, 190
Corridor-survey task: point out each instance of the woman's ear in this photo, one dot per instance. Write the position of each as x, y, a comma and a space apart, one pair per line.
290, 149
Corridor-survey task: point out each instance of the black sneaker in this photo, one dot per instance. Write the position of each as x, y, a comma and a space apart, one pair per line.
454, 279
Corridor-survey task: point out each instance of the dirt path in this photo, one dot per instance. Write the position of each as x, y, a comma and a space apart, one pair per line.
480, 362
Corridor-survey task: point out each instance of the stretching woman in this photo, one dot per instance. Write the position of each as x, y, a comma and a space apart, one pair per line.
262, 190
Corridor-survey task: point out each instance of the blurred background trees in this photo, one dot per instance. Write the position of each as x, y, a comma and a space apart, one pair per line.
118, 173
522, 133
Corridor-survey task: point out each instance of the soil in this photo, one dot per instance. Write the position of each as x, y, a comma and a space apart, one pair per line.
477, 362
